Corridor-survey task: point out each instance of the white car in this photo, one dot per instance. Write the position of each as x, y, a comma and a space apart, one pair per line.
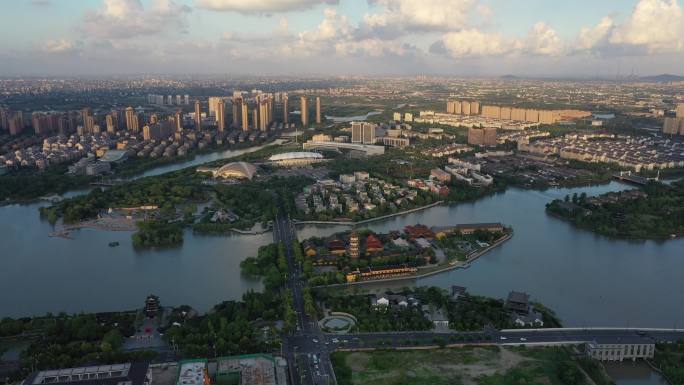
503, 338
523, 339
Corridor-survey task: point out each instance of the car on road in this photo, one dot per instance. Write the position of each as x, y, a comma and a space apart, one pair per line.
315, 340
523, 339
503, 338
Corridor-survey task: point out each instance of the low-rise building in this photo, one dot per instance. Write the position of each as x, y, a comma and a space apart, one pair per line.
116, 374
620, 349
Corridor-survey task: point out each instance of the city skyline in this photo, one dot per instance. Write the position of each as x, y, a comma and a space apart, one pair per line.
343, 37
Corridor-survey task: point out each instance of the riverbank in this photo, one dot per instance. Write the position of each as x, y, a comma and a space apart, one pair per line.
652, 212
366, 221
144, 168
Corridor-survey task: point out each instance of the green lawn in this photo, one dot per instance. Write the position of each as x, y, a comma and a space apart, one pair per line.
470, 365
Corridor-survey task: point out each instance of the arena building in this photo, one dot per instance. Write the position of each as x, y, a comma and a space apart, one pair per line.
296, 159
234, 170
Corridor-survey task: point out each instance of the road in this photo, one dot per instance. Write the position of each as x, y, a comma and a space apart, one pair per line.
306, 349
528, 337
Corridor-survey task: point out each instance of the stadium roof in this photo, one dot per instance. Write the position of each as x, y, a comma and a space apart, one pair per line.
295, 155
245, 169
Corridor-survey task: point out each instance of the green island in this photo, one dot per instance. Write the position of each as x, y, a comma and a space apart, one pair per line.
655, 211
363, 255
481, 365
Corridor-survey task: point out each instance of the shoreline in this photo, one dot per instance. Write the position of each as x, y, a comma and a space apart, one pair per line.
140, 173
438, 269
369, 220
670, 237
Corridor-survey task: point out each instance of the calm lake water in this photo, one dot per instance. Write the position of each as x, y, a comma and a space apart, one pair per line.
588, 279
633, 373
40, 274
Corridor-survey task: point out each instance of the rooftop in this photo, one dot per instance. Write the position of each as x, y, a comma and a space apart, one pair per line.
295, 155
117, 374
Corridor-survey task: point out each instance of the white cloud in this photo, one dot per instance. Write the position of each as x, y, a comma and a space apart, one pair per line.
657, 25
399, 17
129, 18
332, 29
374, 48
260, 6
61, 46
589, 38
543, 40
474, 43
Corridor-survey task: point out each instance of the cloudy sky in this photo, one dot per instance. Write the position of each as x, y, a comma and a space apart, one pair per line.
342, 37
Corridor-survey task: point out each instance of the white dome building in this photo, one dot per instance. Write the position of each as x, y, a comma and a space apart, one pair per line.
238, 170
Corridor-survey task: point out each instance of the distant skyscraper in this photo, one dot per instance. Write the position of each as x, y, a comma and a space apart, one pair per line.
255, 117
318, 110
87, 113
482, 136
112, 123
286, 110
221, 115
680, 110
304, 109
244, 115
264, 112
198, 115
132, 123
213, 104
178, 119
186, 100
236, 111
178, 100
4, 118
90, 124
158, 131
363, 132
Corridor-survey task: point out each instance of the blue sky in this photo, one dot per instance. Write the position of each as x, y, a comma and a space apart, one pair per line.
317, 37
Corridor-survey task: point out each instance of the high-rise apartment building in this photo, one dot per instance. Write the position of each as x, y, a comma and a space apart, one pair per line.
198, 115
363, 132
221, 115
255, 118
235, 104
482, 136
178, 119
213, 104
158, 131
112, 122
304, 109
680, 110
244, 114
286, 109
16, 123
318, 110
132, 123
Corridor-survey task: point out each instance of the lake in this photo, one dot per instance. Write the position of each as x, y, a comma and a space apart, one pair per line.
590, 280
